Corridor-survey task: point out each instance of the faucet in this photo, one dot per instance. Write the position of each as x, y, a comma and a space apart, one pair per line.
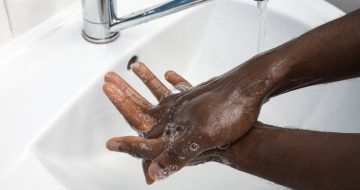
102, 25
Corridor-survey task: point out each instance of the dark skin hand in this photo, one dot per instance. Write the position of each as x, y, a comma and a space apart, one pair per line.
299, 159
185, 127
170, 125
185, 124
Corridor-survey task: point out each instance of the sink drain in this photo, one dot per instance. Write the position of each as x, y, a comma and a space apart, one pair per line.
131, 61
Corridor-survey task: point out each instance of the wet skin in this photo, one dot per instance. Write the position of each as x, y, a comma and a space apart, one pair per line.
186, 129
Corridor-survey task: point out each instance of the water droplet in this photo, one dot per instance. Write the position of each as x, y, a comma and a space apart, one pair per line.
194, 147
173, 168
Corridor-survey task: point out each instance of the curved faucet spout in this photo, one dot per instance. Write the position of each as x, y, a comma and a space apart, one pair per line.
152, 13
102, 25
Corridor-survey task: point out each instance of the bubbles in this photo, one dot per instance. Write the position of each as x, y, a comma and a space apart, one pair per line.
174, 131
173, 167
164, 173
145, 146
174, 90
194, 147
181, 157
181, 87
170, 112
160, 175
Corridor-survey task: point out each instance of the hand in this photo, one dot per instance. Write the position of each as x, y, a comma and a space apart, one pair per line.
116, 89
185, 125
120, 93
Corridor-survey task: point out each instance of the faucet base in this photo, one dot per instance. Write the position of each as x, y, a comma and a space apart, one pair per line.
101, 41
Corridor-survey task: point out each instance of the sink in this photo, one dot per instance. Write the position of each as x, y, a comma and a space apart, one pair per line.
69, 151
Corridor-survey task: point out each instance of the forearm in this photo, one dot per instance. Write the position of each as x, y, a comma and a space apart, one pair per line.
325, 54
299, 159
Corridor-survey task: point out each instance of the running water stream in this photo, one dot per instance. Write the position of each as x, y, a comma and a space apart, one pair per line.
262, 11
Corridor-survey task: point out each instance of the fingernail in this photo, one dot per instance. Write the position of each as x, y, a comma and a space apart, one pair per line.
135, 65
168, 75
113, 145
107, 76
155, 171
149, 181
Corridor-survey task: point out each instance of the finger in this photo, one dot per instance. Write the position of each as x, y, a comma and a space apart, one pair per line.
151, 81
175, 157
137, 146
140, 121
177, 81
129, 91
162, 167
145, 165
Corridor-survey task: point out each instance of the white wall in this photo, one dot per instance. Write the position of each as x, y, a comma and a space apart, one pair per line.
25, 14
5, 32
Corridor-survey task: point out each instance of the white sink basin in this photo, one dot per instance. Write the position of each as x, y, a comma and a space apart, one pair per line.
69, 151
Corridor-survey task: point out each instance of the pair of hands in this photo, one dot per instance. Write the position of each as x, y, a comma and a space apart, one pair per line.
186, 128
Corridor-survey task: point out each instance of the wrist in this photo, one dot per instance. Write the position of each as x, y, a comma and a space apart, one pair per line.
280, 66
262, 75
242, 154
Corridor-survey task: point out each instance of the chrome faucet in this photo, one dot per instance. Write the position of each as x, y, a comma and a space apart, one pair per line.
102, 25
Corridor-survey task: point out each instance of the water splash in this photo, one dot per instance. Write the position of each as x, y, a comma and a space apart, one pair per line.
262, 11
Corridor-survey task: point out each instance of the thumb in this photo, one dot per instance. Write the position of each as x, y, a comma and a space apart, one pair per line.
174, 158
145, 165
